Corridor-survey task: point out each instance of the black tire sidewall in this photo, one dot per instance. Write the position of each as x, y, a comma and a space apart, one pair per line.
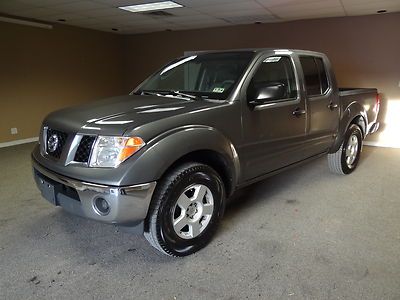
353, 130
200, 174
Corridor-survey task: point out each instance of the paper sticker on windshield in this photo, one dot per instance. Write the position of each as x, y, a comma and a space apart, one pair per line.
272, 59
218, 90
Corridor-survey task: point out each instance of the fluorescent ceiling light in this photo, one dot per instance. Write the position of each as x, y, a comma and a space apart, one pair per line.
151, 6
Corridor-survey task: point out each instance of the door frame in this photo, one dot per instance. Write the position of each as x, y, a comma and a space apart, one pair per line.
299, 100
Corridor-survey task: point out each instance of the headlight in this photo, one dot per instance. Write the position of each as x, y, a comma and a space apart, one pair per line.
110, 151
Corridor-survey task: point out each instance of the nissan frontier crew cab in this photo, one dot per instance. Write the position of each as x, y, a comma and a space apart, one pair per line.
170, 154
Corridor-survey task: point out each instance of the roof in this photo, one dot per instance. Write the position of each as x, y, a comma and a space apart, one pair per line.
257, 50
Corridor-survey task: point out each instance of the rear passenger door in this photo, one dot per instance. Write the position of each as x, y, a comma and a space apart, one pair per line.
322, 103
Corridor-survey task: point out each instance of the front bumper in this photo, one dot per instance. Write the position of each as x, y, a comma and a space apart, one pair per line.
128, 205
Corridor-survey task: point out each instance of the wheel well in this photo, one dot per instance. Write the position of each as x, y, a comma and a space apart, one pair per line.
359, 121
212, 159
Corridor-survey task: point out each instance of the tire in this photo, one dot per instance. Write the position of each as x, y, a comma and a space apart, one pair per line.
186, 208
345, 160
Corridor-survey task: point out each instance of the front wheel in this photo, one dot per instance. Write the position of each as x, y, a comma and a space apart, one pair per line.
185, 211
345, 160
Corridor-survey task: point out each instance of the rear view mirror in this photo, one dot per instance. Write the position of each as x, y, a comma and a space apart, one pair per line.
266, 91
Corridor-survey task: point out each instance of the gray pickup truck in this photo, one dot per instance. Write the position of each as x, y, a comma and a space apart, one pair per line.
170, 154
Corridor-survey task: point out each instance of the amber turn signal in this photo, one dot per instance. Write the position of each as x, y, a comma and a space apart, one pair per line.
132, 145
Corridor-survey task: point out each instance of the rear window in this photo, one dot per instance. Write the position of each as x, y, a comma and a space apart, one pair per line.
314, 75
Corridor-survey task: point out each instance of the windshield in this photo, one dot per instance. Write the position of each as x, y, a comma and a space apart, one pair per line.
211, 75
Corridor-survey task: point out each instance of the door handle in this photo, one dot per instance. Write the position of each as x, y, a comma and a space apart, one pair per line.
332, 106
298, 112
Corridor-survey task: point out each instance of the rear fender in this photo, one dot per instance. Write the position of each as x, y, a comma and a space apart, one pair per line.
353, 114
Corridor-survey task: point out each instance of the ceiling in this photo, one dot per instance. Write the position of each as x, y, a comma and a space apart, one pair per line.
104, 15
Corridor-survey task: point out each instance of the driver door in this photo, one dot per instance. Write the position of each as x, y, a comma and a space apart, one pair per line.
275, 129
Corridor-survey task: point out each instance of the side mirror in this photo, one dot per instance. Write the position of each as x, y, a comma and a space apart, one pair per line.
264, 92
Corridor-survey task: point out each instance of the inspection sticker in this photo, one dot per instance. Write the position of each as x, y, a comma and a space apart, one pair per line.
218, 90
272, 59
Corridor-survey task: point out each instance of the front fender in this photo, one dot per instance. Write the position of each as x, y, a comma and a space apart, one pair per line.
165, 149
354, 113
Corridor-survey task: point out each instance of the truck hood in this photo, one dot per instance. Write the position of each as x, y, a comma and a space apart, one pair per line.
116, 115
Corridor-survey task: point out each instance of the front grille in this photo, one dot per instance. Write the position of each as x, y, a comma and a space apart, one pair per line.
85, 147
55, 142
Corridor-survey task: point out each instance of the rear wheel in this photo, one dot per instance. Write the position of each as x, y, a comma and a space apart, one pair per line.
185, 211
345, 160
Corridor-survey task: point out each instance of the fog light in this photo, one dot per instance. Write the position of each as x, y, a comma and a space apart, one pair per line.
101, 206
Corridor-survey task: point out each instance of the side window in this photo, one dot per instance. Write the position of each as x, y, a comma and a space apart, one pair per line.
275, 70
314, 75
322, 75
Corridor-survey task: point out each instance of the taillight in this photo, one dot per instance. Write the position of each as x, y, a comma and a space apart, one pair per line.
377, 103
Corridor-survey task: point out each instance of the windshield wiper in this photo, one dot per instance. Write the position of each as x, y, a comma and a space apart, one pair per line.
147, 93
177, 94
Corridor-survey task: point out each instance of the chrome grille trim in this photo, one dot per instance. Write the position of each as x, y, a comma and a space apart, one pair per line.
70, 147
61, 145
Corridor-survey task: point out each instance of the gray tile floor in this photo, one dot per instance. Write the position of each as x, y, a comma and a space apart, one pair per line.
303, 234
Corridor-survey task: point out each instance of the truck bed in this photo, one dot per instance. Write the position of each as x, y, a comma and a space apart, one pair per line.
356, 91
367, 97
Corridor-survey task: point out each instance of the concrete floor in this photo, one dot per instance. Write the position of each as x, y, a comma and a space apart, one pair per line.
303, 234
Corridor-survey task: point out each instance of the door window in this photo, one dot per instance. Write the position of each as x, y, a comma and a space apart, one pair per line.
314, 75
322, 75
275, 70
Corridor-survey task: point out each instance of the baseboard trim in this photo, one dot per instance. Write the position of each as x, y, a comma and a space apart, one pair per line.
19, 142
374, 144
380, 144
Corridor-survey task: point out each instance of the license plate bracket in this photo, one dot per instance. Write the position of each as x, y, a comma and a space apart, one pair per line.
47, 190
